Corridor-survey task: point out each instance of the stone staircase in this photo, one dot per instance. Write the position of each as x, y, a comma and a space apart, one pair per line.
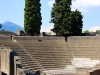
27, 61
51, 53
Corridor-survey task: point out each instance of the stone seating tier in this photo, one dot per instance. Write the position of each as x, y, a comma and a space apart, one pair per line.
37, 38
5, 38
81, 38
53, 53
85, 47
10, 44
44, 51
7, 33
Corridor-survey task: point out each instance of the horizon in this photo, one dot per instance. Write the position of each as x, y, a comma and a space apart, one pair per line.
14, 12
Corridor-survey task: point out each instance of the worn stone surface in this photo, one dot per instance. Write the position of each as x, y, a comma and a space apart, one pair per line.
44, 44
38, 38
20, 71
5, 61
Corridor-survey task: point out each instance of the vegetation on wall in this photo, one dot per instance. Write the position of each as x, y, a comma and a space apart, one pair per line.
86, 31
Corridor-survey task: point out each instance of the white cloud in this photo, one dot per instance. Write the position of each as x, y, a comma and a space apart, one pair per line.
93, 29
82, 5
46, 29
85, 5
50, 3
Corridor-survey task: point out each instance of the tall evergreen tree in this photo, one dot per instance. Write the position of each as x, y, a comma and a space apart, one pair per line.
60, 15
64, 19
76, 22
32, 17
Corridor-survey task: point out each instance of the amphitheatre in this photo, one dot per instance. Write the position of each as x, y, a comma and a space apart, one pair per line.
49, 55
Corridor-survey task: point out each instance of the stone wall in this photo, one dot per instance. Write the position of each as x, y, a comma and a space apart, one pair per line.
5, 37
10, 63
7, 33
38, 38
77, 38
5, 61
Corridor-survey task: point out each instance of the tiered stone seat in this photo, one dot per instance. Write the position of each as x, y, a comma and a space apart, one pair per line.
60, 72
51, 52
55, 56
68, 74
27, 61
87, 48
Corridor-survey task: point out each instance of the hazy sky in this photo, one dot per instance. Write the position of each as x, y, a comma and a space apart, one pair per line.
13, 10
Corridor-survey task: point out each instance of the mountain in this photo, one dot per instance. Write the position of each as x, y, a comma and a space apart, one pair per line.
9, 26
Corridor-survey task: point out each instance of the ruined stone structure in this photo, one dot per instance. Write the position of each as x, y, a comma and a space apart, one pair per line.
6, 33
49, 55
10, 62
21, 33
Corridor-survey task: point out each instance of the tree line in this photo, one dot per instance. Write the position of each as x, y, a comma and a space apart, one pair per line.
62, 17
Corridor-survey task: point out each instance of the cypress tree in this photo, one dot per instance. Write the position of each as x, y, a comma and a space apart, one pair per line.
32, 17
76, 22
64, 19
60, 16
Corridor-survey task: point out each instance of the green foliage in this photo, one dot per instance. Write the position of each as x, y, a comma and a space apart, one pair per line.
86, 31
60, 15
97, 31
64, 19
76, 22
32, 17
